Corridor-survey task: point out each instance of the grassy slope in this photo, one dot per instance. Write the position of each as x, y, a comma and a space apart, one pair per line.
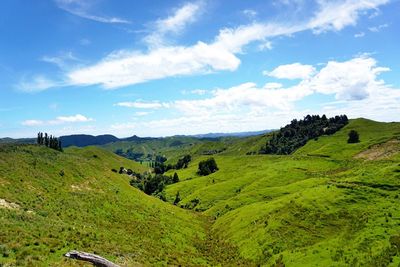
318, 207
93, 209
190, 145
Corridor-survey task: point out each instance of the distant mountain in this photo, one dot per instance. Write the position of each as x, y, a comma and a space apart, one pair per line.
236, 134
82, 140
8, 140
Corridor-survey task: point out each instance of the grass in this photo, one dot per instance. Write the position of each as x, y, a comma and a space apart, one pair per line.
73, 200
322, 206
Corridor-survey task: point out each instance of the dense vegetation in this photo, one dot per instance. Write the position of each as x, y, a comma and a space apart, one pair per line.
298, 132
49, 141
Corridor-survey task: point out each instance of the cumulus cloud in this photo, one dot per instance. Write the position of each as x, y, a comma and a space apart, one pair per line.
355, 84
81, 8
242, 111
57, 120
292, 71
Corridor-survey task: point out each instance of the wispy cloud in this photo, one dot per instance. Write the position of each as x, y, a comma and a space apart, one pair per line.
63, 60
378, 28
174, 24
142, 104
82, 8
57, 121
36, 84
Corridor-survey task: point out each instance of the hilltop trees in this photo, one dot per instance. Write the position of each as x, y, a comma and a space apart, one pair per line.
49, 141
353, 137
207, 167
298, 132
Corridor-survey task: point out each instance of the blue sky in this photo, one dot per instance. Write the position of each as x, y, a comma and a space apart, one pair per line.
159, 68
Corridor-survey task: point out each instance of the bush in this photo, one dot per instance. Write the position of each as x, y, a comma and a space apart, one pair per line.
353, 137
207, 167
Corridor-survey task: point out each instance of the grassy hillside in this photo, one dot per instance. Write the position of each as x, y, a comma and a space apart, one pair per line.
329, 204
53, 202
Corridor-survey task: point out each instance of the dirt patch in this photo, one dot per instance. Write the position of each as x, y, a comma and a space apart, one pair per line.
380, 151
8, 205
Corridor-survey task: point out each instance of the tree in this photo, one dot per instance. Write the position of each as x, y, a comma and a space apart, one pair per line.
207, 167
353, 137
177, 198
176, 178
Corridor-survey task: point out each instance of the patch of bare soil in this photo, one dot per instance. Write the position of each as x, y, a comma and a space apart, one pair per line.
8, 205
380, 151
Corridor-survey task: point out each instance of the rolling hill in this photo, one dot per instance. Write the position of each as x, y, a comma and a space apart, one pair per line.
53, 202
329, 203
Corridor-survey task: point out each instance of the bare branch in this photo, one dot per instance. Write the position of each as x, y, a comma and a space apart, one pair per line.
93, 258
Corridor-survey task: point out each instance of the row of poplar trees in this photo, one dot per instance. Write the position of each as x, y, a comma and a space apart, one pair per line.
50, 141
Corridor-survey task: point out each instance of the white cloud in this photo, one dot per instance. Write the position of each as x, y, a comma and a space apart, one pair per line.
378, 28
32, 123
359, 35
36, 84
141, 104
355, 79
292, 71
250, 13
142, 113
62, 61
335, 15
57, 121
175, 23
130, 67
273, 85
354, 83
75, 118
81, 8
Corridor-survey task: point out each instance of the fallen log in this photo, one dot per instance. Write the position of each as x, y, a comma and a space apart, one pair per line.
92, 258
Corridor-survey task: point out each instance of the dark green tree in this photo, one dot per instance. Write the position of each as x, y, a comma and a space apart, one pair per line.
207, 167
353, 137
175, 179
177, 198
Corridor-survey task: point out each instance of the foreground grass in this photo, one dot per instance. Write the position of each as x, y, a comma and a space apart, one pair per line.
72, 200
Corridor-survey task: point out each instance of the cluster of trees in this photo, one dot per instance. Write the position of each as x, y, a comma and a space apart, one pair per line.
153, 184
207, 167
48, 141
160, 167
130, 154
298, 132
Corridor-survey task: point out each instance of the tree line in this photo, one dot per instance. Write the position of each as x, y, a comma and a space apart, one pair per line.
298, 132
43, 139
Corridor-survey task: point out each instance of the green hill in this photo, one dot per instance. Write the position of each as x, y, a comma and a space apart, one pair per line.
53, 202
328, 204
